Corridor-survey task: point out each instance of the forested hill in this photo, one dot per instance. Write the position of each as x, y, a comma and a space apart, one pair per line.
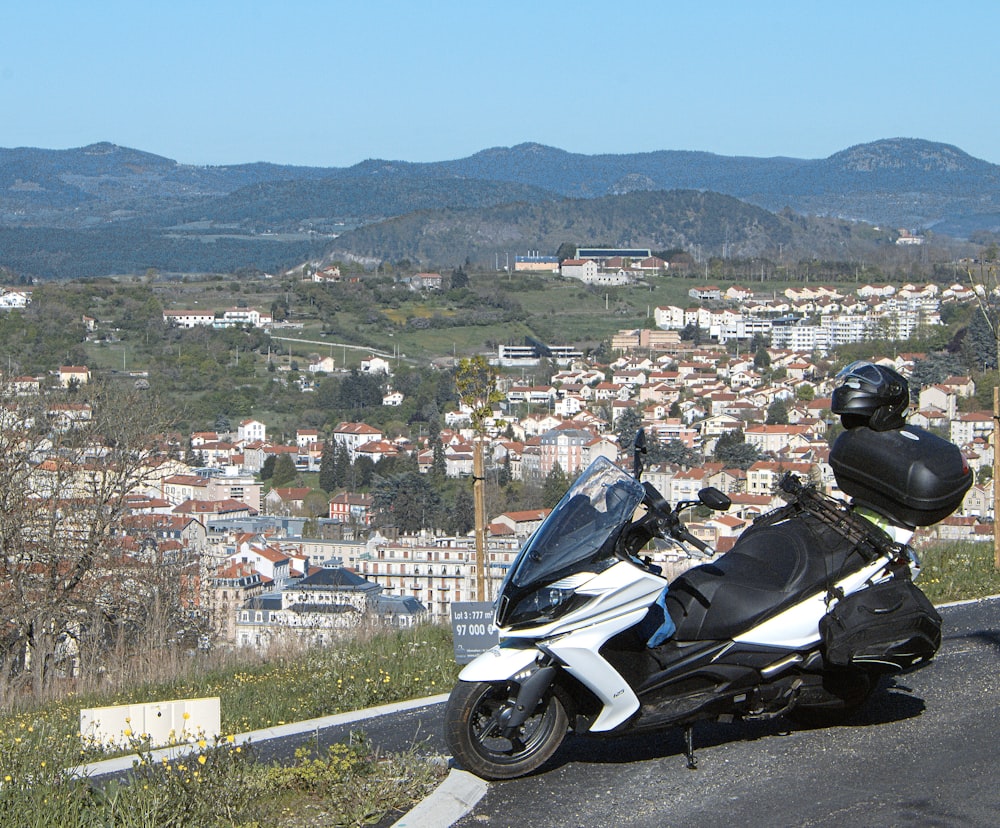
676, 219
109, 209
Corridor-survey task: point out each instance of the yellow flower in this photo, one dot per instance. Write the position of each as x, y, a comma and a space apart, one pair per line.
202, 743
201, 759
230, 738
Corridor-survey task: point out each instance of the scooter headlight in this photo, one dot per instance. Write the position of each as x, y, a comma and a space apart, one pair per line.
546, 603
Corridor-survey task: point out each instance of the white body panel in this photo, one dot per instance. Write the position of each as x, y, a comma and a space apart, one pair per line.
619, 589
798, 626
499, 664
622, 596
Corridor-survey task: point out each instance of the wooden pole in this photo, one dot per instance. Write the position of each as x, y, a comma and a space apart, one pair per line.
479, 500
996, 477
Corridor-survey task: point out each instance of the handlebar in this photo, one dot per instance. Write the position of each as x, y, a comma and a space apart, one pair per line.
667, 521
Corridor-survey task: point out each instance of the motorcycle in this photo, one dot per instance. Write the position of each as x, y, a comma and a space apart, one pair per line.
814, 603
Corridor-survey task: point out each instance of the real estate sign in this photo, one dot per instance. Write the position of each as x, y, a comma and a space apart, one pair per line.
472, 629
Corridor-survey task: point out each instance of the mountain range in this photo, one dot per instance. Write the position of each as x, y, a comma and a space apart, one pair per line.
106, 209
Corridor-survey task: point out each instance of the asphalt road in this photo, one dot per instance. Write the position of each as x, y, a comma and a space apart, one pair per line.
924, 752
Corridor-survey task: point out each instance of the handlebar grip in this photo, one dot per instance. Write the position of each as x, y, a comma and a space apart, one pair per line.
683, 534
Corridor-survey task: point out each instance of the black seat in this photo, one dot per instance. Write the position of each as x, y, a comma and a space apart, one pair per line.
768, 569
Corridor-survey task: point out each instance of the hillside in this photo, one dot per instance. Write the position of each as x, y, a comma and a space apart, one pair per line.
658, 220
109, 209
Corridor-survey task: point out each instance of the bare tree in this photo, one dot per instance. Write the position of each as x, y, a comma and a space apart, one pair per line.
68, 464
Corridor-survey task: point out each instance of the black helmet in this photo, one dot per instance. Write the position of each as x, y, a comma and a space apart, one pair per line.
871, 395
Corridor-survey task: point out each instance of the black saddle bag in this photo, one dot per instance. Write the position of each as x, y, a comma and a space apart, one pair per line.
889, 625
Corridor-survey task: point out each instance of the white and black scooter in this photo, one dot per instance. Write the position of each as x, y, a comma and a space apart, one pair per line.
811, 606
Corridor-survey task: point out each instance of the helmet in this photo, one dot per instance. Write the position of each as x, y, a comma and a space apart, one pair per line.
871, 395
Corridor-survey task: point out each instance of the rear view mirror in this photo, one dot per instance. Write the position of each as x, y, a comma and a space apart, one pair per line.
639, 449
714, 499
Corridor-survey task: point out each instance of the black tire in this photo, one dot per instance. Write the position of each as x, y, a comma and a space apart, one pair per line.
841, 694
473, 733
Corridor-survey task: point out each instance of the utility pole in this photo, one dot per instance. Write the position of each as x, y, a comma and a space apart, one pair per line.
996, 476
475, 381
479, 500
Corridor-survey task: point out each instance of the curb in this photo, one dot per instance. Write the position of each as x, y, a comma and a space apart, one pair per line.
448, 803
123, 763
452, 800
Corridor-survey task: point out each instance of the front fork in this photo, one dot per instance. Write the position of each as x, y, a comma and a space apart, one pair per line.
531, 692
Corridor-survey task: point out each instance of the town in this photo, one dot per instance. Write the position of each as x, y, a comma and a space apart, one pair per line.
261, 560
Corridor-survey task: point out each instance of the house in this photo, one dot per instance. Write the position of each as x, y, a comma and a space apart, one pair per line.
286, 501
375, 450
73, 375
206, 510
764, 475
375, 365
327, 275
231, 587
269, 560
583, 269
967, 426
307, 437
25, 386
64, 416
566, 445
14, 299
322, 365
188, 532
250, 431
329, 599
249, 317
355, 435
352, 507
707, 293
939, 397
771, 439
189, 318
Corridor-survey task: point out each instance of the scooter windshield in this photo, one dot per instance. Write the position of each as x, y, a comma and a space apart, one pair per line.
596, 506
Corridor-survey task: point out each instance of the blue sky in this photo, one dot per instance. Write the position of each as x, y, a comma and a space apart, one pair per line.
333, 83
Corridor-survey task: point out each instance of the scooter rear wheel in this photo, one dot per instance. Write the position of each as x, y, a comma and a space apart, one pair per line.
474, 732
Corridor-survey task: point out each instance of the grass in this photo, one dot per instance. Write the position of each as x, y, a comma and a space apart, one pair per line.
958, 571
224, 784
349, 784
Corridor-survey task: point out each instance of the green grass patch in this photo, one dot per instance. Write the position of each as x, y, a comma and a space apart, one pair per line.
958, 571
224, 785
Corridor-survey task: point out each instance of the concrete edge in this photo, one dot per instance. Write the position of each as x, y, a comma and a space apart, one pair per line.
453, 799
967, 600
123, 763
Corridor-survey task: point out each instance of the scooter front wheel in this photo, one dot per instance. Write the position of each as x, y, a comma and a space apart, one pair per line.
477, 738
